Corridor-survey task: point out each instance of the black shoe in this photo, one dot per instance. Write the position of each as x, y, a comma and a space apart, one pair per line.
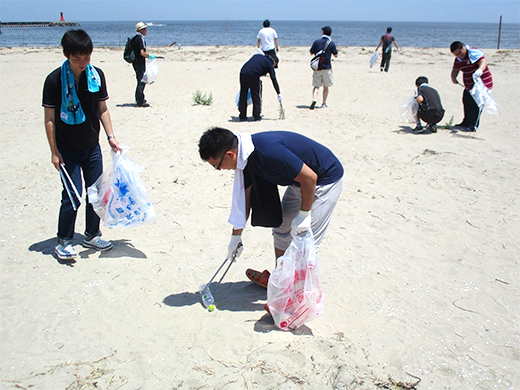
143, 105
418, 129
313, 104
460, 125
431, 128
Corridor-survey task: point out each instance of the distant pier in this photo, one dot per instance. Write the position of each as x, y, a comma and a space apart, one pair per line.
37, 24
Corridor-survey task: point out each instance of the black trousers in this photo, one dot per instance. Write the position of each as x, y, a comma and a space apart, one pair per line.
385, 61
255, 85
139, 90
471, 110
431, 117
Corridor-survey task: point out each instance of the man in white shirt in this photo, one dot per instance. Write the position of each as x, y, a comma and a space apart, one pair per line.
268, 40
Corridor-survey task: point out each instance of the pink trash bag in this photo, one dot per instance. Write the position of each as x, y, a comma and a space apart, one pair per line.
294, 292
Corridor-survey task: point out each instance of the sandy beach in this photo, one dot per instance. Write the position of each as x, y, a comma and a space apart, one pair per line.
420, 265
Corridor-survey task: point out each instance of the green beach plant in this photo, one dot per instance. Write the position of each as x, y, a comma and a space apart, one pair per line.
200, 98
448, 125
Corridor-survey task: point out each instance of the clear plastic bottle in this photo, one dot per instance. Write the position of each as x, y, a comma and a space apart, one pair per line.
207, 297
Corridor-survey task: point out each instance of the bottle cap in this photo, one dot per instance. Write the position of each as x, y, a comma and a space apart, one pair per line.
211, 307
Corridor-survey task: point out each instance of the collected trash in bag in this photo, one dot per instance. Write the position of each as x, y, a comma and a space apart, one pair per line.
249, 98
294, 292
151, 71
409, 108
118, 195
373, 58
483, 97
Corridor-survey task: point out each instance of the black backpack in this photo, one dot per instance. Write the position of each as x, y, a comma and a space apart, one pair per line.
129, 54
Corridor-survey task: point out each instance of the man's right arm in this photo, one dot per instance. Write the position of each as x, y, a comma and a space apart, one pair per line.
50, 130
454, 74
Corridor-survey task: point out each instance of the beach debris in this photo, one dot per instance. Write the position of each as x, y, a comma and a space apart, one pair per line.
395, 385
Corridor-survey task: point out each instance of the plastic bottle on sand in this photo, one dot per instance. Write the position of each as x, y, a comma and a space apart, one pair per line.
207, 297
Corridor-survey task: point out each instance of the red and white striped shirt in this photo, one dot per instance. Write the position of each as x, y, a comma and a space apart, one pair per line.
468, 68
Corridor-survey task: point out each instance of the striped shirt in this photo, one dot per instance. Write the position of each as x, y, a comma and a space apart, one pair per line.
467, 67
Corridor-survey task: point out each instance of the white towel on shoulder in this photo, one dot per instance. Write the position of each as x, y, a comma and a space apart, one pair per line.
237, 217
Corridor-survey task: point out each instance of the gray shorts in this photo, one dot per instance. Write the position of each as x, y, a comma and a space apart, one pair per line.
325, 199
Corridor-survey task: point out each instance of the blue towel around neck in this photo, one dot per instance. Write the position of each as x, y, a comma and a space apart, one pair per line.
71, 112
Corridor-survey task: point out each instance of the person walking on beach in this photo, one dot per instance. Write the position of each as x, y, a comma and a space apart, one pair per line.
430, 106
257, 66
74, 101
472, 63
387, 40
267, 40
323, 76
139, 63
312, 174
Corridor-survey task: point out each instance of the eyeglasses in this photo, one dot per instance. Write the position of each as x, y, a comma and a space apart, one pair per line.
221, 161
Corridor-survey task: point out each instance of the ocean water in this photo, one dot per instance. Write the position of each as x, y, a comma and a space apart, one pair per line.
290, 33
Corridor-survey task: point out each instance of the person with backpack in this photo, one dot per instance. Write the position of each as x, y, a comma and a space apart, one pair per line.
386, 41
322, 76
139, 62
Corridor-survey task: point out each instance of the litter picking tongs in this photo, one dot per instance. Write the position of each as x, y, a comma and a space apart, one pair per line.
69, 186
232, 260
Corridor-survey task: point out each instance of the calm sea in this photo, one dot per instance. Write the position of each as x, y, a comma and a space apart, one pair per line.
291, 33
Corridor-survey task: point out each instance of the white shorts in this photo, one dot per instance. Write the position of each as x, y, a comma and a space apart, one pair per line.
322, 78
325, 199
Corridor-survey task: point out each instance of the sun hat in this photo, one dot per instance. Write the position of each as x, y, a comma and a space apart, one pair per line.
139, 26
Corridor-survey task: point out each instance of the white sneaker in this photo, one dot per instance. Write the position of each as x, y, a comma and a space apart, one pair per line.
97, 243
324, 105
65, 252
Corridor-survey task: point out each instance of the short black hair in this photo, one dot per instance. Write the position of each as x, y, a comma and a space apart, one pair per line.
267, 23
215, 142
273, 58
76, 42
326, 30
389, 29
421, 80
455, 46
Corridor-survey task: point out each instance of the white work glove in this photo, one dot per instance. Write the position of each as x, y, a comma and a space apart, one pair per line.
301, 223
280, 98
235, 243
478, 73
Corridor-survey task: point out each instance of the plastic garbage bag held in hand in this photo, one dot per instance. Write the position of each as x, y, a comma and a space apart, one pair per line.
478, 73
301, 223
280, 98
235, 244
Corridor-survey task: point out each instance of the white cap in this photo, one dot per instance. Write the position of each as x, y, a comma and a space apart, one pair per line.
139, 26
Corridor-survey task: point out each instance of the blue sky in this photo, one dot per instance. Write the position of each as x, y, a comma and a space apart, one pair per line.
323, 10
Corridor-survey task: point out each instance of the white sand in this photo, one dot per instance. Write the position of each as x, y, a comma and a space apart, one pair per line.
420, 263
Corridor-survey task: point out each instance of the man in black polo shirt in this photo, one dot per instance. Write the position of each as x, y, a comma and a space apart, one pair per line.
430, 106
257, 66
139, 63
74, 101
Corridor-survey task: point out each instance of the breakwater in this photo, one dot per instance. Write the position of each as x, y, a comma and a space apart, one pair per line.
37, 24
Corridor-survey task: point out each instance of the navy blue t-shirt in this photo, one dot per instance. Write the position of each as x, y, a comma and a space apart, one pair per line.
319, 44
279, 158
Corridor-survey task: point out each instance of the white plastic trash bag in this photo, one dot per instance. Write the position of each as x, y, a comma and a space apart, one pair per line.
483, 97
373, 58
294, 292
151, 71
409, 108
249, 98
118, 195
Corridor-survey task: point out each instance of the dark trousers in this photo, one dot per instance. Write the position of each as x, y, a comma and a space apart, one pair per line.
91, 164
139, 90
255, 85
431, 117
385, 61
471, 110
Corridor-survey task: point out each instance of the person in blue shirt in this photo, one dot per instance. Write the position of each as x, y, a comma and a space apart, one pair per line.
323, 76
257, 66
312, 174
